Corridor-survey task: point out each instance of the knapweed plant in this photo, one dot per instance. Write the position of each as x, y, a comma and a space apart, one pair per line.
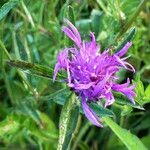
91, 74
74, 75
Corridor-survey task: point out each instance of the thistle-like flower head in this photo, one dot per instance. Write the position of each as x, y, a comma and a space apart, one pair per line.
91, 74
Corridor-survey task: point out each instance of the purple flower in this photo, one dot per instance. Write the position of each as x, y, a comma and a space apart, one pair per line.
92, 75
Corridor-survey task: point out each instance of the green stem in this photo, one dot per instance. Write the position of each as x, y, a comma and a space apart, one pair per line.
77, 127
89, 136
122, 121
81, 134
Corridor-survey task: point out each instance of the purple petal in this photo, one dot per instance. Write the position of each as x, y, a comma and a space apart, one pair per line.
124, 49
57, 67
109, 99
125, 85
68, 73
124, 64
90, 114
124, 89
100, 85
80, 86
63, 58
130, 96
91, 48
70, 34
75, 31
131, 68
92, 75
121, 62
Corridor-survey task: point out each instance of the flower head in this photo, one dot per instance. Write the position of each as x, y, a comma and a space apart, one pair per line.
93, 75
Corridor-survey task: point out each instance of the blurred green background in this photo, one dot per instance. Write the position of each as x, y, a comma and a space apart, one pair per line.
31, 31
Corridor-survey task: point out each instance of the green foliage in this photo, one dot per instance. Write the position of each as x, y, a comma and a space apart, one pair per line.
127, 39
36, 69
68, 121
37, 113
143, 96
7, 7
8, 126
130, 140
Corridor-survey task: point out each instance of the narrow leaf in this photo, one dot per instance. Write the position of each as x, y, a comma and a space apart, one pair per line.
127, 39
61, 96
101, 111
147, 91
28, 110
67, 124
58, 97
131, 141
4, 10
36, 69
123, 100
139, 89
49, 129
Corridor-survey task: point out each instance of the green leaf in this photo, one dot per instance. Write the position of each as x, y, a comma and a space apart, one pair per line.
140, 86
68, 121
131, 141
146, 140
143, 125
147, 91
36, 69
99, 110
48, 127
139, 89
4, 10
58, 97
127, 39
29, 110
4, 50
123, 100
146, 98
96, 17
8, 126
126, 110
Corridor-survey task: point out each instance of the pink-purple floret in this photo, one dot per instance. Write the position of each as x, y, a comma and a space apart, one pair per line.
92, 75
